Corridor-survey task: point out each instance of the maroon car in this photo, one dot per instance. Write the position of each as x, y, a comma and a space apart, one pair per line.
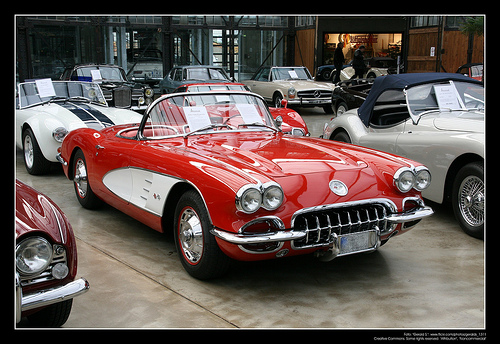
46, 260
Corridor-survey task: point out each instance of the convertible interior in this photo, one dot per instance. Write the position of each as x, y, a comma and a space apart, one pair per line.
389, 109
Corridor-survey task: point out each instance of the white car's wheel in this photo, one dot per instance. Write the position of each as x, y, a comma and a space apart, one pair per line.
34, 160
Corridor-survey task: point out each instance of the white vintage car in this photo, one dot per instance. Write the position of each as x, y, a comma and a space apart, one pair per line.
375, 67
46, 111
436, 119
295, 84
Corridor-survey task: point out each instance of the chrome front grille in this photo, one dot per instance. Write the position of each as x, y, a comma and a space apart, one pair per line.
342, 219
122, 97
318, 94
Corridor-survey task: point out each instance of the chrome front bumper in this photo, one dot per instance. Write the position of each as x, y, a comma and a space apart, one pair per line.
48, 296
309, 101
287, 235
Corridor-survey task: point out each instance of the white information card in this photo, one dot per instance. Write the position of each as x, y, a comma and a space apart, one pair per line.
447, 97
45, 88
249, 113
197, 117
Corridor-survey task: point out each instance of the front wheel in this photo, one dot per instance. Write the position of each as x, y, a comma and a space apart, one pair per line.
198, 251
83, 191
34, 160
468, 199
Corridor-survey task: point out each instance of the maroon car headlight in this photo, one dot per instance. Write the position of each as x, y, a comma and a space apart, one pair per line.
33, 255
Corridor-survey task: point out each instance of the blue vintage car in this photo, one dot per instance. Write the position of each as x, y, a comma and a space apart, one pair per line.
181, 75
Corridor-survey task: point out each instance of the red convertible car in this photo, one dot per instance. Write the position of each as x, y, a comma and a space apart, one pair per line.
215, 168
46, 260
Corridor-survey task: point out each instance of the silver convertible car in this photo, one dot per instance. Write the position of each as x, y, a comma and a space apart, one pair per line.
436, 119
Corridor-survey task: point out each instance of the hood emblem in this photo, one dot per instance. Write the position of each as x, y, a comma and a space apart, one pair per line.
338, 187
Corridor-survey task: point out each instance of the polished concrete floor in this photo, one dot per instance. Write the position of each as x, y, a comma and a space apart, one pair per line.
431, 277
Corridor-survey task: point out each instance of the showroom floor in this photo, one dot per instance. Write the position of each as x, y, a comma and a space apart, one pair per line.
430, 277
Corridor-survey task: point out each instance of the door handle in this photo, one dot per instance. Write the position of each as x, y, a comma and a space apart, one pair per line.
99, 147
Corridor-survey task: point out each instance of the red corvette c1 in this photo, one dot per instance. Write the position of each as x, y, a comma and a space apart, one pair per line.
215, 168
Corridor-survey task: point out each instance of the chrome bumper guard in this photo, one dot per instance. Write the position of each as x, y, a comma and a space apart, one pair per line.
243, 239
49, 296
60, 159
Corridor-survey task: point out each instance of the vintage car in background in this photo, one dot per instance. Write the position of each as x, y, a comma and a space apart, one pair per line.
436, 119
214, 168
326, 72
118, 91
350, 94
46, 260
44, 117
294, 84
145, 66
181, 75
291, 122
472, 70
375, 67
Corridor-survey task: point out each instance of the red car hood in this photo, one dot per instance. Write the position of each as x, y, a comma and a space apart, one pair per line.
276, 156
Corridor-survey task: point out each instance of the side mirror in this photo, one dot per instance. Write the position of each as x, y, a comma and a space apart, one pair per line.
284, 103
279, 121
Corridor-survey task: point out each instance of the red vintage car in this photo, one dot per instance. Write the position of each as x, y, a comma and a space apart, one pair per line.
215, 168
291, 122
46, 260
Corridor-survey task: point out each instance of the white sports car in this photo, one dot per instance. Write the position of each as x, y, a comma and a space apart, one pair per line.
46, 111
436, 119
295, 84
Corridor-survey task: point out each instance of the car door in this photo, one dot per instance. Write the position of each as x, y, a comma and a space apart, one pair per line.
260, 83
387, 122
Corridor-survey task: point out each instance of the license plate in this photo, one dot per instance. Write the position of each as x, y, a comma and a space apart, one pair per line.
356, 242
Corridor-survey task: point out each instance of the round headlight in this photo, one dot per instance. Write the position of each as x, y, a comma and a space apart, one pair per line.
248, 199
422, 179
59, 134
291, 92
33, 255
148, 92
272, 197
404, 179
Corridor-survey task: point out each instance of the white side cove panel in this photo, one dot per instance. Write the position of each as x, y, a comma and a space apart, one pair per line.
143, 188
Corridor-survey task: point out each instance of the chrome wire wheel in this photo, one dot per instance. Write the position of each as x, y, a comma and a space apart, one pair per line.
471, 198
190, 235
28, 151
80, 178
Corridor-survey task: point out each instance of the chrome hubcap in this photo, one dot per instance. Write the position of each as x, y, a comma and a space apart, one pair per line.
191, 235
81, 178
471, 205
28, 151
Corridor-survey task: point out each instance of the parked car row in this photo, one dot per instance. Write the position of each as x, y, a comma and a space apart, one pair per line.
232, 183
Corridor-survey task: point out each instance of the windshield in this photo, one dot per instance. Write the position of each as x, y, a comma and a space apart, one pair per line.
215, 87
30, 95
291, 73
206, 74
447, 96
187, 114
99, 73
